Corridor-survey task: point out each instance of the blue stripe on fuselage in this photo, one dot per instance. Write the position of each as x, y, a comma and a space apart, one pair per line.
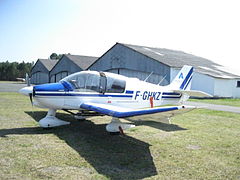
82, 95
171, 97
170, 93
129, 92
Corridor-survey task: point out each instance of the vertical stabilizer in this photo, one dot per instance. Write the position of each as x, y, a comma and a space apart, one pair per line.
183, 79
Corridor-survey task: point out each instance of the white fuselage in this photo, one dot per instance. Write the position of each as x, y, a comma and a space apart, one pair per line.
137, 94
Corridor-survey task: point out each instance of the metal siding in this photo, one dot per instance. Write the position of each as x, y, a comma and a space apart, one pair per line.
203, 83
64, 65
43, 78
154, 78
61, 75
39, 78
223, 87
174, 72
236, 90
33, 79
116, 71
52, 78
64, 74
121, 57
58, 77
38, 67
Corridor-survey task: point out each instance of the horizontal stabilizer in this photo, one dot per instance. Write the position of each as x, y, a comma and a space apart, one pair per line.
119, 112
193, 93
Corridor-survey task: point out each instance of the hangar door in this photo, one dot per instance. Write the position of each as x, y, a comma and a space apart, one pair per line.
39, 78
61, 75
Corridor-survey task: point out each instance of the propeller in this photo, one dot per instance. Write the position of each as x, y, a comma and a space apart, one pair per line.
31, 95
28, 91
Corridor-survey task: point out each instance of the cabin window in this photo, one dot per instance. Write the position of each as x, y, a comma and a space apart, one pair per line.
115, 85
89, 82
92, 83
238, 84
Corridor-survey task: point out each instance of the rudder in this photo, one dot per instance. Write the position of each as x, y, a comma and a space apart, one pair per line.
183, 79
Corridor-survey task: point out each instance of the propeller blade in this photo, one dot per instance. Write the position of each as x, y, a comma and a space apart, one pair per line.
30, 97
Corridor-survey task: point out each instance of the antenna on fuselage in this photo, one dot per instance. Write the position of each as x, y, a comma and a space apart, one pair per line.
148, 76
162, 79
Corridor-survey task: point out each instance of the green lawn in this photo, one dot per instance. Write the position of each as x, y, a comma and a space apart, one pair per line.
201, 144
228, 102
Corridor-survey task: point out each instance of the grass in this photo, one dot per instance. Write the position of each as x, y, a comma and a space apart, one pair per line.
201, 144
228, 102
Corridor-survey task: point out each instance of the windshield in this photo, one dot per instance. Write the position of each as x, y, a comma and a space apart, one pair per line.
96, 82
84, 81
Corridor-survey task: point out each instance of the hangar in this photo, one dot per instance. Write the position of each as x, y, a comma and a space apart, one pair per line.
69, 64
164, 64
40, 71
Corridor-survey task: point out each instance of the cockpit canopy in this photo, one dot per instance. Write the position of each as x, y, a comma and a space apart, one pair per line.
92, 81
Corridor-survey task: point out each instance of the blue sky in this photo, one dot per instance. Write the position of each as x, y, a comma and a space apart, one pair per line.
32, 29
29, 26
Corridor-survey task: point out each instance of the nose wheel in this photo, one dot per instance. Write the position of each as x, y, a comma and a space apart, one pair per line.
50, 120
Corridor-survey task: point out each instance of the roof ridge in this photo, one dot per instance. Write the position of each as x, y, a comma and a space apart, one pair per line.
80, 55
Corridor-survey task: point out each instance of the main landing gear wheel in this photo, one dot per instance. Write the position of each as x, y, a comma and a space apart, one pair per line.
116, 127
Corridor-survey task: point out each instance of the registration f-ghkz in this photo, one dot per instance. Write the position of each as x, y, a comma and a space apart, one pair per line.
111, 94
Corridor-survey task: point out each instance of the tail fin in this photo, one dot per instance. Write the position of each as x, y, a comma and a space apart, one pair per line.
183, 79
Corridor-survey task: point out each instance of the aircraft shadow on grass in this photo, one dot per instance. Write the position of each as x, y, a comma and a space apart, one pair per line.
117, 157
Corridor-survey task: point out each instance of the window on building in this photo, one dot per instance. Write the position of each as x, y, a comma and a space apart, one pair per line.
238, 84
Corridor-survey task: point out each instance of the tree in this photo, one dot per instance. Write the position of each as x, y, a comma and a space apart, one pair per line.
11, 71
55, 56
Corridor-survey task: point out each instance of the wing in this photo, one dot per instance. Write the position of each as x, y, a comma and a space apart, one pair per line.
120, 112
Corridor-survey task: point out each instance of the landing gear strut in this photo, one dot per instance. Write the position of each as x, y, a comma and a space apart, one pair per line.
51, 121
116, 126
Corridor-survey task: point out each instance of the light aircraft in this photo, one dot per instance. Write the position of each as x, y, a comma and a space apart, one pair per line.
92, 92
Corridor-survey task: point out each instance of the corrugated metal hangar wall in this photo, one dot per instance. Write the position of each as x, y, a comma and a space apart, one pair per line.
40, 71
125, 61
69, 64
62, 69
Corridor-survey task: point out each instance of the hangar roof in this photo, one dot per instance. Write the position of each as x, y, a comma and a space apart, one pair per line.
82, 61
48, 63
177, 59
45, 63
